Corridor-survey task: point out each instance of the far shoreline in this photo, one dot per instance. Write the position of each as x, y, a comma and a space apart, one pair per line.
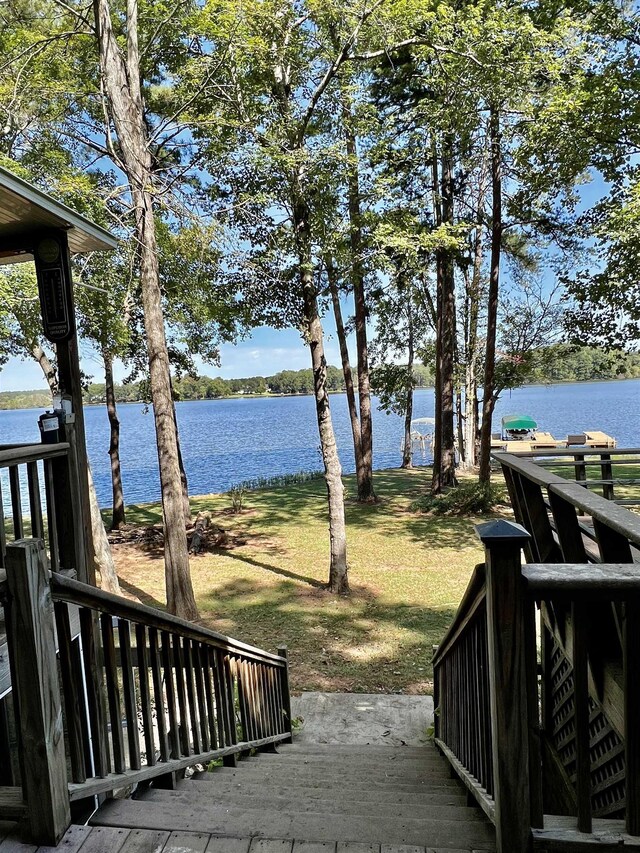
268, 395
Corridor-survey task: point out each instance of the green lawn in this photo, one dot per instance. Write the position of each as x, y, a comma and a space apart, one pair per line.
407, 573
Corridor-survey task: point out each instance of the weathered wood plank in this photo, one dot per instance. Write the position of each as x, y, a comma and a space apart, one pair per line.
72, 840
580, 664
550, 580
73, 704
187, 842
105, 838
113, 692
631, 667
129, 690
270, 845
12, 805
145, 841
228, 845
34, 675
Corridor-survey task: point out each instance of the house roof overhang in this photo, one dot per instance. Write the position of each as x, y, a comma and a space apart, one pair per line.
25, 211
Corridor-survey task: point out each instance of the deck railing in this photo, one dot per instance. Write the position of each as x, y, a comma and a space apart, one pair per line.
110, 693
559, 660
36, 478
595, 469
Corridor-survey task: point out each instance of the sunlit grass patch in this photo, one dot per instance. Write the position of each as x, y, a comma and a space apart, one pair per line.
407, 572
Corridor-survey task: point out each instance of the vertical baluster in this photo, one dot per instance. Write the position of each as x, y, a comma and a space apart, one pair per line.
16, 501
581, 712
242, 700
52, 523
231, 760
209, 696
535, 747
156, 677
273, 693
129, 691
265, 698
221, 713
257, 692
196, 662
178, 663
251, 700
174, 727
72, 694
606, 473
3, 531
631, 662
113, 692
35, 504
191, 698
279, 700
95, 692
580, 468
145, 695
286, 695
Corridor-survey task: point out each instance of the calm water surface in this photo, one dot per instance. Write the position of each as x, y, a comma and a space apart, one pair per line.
227, 441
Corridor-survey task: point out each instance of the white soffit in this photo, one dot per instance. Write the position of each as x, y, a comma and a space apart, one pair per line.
24, 210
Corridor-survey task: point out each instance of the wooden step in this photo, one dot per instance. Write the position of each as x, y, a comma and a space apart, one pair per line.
196, 795
330, 774
353, 749
393, 759
438, 784
178, 815
452, 793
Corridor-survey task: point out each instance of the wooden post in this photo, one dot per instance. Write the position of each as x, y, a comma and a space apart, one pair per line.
631, 658
34, 676
71, 383
286, 695
503, 541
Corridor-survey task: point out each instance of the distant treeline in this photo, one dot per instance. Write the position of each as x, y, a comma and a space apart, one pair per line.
557, 363
213, 388
564, 363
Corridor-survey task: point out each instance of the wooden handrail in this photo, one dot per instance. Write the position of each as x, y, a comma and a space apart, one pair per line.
142, 694
471, 600
74, 592
22, 453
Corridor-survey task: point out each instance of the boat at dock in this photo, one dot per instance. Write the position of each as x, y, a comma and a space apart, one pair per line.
520, 434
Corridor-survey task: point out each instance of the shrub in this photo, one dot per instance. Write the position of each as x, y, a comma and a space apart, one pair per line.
237, 494
465, 499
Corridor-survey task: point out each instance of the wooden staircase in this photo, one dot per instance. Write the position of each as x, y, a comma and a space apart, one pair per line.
320, 795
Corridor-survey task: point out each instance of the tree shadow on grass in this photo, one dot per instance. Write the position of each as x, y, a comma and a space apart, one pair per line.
362, 645
276, 570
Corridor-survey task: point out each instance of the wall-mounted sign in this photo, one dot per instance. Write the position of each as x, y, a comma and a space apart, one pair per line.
53, 271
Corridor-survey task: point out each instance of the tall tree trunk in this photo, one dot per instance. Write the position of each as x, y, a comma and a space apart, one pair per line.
122, 87
346, 368
436, 479
488, 401
338, 576
50, 373
448, 329
407, 452
184, 483
470, 378
365, 481
118, 511
103, 558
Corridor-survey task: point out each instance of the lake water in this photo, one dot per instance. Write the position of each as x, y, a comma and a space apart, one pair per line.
227, 441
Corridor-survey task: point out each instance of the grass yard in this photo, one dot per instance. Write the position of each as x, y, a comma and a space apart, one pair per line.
407, 573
